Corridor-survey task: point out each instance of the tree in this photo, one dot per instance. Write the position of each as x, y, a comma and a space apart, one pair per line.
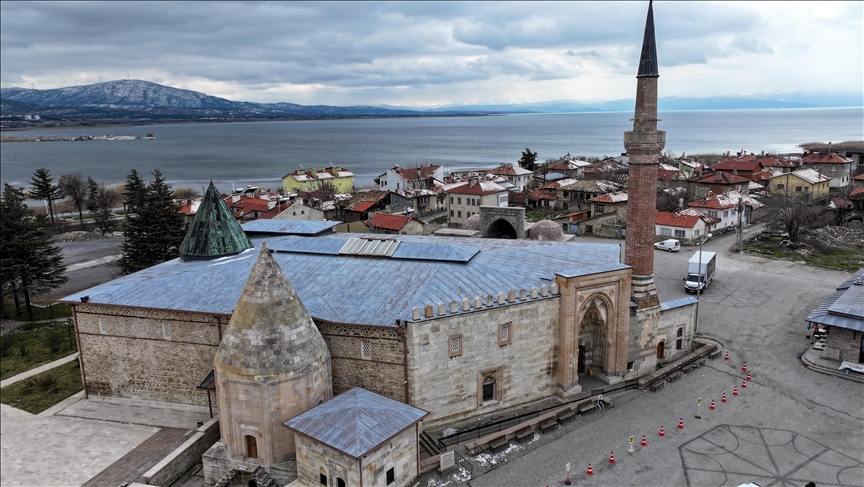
153, 234
43, 188
74, 187
793, 214
528, 160
31, 264
100, 201
186, 193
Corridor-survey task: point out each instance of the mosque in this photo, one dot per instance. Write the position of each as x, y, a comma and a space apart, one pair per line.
329, 352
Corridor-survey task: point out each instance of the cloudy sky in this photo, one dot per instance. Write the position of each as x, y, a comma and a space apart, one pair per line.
434, 54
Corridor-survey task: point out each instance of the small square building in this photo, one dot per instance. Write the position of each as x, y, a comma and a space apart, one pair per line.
355, 439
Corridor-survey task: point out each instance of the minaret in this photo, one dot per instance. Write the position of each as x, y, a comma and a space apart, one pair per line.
643, 146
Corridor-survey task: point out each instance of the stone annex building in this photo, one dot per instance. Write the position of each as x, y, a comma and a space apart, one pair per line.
451, 327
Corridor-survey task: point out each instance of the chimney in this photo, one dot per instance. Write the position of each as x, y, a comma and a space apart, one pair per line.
235, 198
472, 183
719, 178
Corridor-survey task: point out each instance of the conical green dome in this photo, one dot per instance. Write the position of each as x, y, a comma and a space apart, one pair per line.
214, 232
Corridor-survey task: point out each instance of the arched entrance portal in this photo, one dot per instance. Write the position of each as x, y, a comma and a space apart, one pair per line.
501, 229
594, 325
580, 364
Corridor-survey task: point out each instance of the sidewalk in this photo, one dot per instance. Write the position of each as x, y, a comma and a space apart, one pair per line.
813, 360
38, 370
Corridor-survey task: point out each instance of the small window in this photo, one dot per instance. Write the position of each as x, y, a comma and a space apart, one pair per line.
451, 212
302, 212
725, 213
629, 365
451, 200
489, 389
322, 479
680, 233
459, 200
589, 228
696, 233
455, 345
666, 232
391, 476
601, 208
504, 334
833, 167
679, 341
459, 213
798, 188
366, 350
780, 186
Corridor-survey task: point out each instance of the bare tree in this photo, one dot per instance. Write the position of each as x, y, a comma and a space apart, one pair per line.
74, 187
184, 193
100, 201
792, 215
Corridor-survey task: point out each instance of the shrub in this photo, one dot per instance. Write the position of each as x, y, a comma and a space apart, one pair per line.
54, 340
6, 343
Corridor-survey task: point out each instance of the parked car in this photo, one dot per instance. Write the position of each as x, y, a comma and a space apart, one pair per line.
670, 245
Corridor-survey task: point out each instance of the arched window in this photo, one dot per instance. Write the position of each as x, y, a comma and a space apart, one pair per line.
251, 447
340, 482
660, 349
679, 342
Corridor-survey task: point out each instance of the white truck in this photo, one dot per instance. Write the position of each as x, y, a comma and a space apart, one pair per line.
698, 279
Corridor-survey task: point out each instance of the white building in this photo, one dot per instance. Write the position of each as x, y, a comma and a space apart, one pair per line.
465, 199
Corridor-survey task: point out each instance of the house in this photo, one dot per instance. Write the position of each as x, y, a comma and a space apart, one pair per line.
725, 207
858, 181
684, 225
246, 209
541, 198
395, 224
517, 176
341, 179
842, 316
718, 182
748, 166
576, 194
570, 222
465, 199
608, 216
361, 205
690, 168
568, 166
422, 177
611, 169
299, 211
671, 179
420, 201
803, 183
831, 164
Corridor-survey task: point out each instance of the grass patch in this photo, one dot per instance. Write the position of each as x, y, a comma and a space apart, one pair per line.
34, 344
40, 392
40, 313
441, 220
841, 260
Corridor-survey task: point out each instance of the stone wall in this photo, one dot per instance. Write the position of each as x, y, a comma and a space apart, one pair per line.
669, 322
846, 342
449, 386
398, 453
148, 354
382, 371
178, 461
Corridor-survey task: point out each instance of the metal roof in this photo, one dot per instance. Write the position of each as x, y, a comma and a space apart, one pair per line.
358, 289
288, 227
356, 422
214, 231
677, 303
845, 307
648, 59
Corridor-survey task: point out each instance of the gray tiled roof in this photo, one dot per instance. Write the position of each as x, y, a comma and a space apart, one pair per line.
677, 303
288, 227
356, 422
845, 307
359, 289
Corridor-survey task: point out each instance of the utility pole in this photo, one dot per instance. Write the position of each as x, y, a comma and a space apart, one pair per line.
740, 227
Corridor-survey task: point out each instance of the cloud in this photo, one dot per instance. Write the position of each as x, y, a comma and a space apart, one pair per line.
386, 52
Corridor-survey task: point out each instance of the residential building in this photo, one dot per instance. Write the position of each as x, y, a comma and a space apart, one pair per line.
419, 202
422, 177
309, 180
517, 177
803, 183
610, 169
395, 224
465, 199
608, 217
246, 209
299, 211
684, 225
568, 166
748, 166
725, 208
719, 182
831, 164
576, 194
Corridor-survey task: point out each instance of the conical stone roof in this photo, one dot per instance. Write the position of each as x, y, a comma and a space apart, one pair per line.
270, 335
214, 232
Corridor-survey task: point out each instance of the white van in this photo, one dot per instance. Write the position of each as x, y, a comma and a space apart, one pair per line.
670, 245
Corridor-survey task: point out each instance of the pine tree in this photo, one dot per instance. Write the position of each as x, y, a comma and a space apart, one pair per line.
154, 233
31, 264
528, 160
100, 200
43, 188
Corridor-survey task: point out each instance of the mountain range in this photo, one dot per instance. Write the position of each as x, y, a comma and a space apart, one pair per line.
128, 101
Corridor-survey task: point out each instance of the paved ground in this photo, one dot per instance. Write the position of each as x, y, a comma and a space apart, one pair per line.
86, 265
791, 425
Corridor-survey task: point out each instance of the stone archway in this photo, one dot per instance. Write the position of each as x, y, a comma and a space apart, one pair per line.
501, 229
595, 330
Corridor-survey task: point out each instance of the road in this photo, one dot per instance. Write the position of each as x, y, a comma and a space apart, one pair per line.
791, 425
88, 263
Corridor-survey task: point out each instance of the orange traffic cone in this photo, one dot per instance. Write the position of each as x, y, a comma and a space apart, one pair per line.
724, 398
590, 470
681, 424
743, 384
644, 441
748, 375
712, 405
744, 367
612, 457
661, 431
735, 391
727, 355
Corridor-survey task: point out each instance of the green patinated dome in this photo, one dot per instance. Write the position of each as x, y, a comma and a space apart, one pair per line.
214, 232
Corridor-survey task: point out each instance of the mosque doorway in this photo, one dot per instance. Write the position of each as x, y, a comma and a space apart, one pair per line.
593, 326
580, 364
501, 229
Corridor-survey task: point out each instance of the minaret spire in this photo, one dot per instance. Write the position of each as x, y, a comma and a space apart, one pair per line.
643, 145
648, 60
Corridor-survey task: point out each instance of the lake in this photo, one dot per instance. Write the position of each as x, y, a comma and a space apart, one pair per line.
260, 153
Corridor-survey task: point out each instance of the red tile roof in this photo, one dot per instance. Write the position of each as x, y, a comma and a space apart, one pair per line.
617, 197
666, 174
362, 206
249, 205
415, 173
775, 161
859, 177
541, 195
390, 222
824, 158
857, 192
720, 177
743, 163
685, 220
